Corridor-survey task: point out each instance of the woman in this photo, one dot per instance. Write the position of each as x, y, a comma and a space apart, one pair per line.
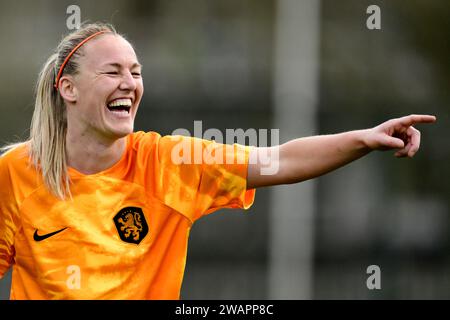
92, 210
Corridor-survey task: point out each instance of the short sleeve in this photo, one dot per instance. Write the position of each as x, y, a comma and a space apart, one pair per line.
7, 221
197, 177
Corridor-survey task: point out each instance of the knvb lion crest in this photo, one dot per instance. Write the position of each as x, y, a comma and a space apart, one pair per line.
131, 225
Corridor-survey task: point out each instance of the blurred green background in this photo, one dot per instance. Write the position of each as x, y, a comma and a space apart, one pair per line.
224, 62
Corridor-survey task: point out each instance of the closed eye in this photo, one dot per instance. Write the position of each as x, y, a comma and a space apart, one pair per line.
112, 72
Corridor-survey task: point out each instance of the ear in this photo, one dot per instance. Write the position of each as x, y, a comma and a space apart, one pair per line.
67, 89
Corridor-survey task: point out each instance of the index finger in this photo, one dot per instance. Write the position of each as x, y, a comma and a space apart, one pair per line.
416, 118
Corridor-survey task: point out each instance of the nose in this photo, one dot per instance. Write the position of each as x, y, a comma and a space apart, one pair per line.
128, 83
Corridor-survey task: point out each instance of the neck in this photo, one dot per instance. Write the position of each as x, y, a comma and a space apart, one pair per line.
89, 155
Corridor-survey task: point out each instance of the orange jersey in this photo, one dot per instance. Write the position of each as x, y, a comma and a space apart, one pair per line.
124, 233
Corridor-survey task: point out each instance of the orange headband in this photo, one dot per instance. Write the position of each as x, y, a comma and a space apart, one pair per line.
61, 69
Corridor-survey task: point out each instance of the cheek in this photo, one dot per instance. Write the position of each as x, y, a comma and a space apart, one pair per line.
140, 84
107, 85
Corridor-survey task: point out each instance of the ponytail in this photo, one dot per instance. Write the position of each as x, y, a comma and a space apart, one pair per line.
48, 131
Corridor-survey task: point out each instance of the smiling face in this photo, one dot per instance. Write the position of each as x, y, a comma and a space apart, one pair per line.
103, 97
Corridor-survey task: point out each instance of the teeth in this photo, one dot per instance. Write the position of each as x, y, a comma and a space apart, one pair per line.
120, 102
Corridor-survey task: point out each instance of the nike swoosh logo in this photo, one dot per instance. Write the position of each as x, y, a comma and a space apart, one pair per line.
37, 237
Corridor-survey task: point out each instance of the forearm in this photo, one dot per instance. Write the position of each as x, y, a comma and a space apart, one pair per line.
305, 158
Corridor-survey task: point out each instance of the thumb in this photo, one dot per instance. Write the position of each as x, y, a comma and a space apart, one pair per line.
394, 143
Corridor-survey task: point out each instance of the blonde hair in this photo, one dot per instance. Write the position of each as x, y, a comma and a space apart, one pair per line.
47, 141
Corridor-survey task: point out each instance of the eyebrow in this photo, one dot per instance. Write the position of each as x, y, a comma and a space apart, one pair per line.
118, 65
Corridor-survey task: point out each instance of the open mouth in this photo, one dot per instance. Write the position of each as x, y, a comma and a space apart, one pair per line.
120, 106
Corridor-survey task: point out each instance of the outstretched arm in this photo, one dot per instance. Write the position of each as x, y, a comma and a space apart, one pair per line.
305, 158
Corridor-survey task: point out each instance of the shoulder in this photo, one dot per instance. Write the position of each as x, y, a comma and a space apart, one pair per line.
15, 155
150, 140
141, 139
15, 170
